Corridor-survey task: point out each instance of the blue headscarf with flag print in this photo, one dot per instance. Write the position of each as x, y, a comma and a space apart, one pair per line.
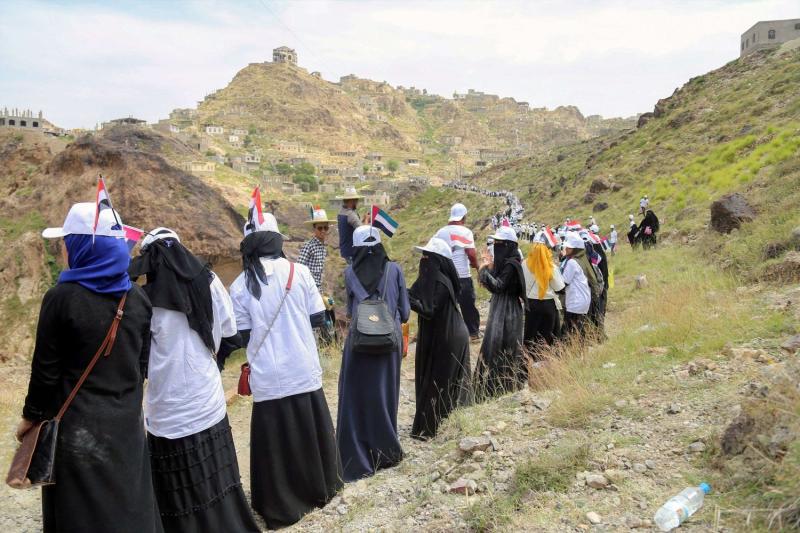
101, 266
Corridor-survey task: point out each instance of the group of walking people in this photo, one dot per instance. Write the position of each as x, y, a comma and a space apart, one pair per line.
162, 457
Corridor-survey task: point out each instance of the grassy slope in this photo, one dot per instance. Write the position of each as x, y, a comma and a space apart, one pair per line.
734, 129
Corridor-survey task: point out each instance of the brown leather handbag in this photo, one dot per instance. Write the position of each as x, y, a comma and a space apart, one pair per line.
34, 461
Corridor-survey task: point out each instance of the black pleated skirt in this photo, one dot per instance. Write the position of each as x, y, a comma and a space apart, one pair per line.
294, 461
197, 483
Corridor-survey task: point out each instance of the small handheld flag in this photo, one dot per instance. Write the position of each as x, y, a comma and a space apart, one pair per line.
505, 223
102, 201
132, 236
574, 225
551, 238
255, 213
382, 220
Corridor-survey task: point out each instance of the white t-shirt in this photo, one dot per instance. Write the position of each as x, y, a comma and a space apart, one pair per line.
184, 392
578, 296
459, 238
287, 362
613, 237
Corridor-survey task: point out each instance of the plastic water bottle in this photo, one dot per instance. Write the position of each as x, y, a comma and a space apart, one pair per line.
680, 507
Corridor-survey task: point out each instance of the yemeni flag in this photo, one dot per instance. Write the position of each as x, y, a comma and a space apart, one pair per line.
505, 223
132, 236
102, 202
255, 213
382, 221
551, 238
573, 225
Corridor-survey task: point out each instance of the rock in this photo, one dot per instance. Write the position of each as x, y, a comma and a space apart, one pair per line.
463, 486
697, 447
494, 444
791, 345
650, 464
594, 518
771, 250
657, 350
479, 456
729, 212
588, 198
609, 365
597, 481
635, 523
616, 187
435, 476
644, 118
541, 403
341, 509
599, 206
467, 445
619, 404
639, 468
501, 425
599, 185
640, 282
674, 409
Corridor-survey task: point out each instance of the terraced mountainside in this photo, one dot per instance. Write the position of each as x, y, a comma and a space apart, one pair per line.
735, 129
286, 111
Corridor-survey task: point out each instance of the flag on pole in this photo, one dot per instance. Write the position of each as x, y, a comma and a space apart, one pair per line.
595, 238
551, 238
505, 223
573, 225
382, 220
102, 201
132, 236
255, 213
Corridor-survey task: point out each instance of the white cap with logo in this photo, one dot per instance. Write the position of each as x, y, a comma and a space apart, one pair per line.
366, 235
457, 213
505, 233
80, 221
436, 246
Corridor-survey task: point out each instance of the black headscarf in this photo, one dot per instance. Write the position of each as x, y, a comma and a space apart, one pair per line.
506, 255
650, 219
368, 265
259, 244
178, 281
432, 267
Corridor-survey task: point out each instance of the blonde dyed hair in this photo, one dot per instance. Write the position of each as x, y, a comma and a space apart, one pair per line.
540, 264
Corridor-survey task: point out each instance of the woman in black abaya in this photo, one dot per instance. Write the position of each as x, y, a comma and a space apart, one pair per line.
442, 368
501, 364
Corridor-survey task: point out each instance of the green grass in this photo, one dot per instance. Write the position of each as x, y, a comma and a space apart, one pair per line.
13, 228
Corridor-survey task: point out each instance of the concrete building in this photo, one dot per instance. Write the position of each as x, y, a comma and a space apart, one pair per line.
288, 146
21, 118
239, 131
343, 153
127, 121
768, 34
214, 130
252, 159
199, 167
374, 156
284, 54
412, 162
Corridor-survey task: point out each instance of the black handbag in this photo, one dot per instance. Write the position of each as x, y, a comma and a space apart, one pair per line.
374, 330
33, 464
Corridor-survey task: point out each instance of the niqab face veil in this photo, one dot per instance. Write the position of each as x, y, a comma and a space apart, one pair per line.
432, 268
369, 263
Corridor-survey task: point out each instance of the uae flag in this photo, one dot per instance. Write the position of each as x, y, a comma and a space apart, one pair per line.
382, 221
551, 238
255, 214
132, 236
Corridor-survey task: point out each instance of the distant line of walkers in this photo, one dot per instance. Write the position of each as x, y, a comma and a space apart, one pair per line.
173, 466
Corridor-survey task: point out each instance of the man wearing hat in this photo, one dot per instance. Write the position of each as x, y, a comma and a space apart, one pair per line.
312, 255
462, 243
347, 221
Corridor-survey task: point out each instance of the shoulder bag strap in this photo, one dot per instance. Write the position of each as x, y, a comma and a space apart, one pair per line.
382, 296
280, 305
105, 349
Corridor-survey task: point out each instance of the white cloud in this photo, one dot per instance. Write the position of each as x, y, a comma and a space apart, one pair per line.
86, 63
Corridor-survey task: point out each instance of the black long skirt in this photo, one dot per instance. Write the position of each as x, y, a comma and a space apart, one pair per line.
294, 462
541, 320
197, 483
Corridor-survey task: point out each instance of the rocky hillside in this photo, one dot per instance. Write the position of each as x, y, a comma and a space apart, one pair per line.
278, 102
41, 177
735, 129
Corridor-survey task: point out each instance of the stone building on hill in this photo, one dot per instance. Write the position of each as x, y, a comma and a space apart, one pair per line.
284, 54
768, 34
127, 121
21, 118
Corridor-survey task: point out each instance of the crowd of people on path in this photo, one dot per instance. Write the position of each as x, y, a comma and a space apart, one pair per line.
162, 457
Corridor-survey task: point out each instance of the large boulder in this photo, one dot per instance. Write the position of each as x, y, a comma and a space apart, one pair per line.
644, 118
599, 206
599, 185
729, 212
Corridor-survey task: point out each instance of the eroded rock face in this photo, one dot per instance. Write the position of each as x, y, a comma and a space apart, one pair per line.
730, 211
735, 438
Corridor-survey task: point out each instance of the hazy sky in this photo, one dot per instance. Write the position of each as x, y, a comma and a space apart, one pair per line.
83, 62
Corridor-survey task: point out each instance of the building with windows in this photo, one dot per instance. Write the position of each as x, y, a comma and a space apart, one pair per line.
768, 34
127, 121
21, 118
211, 129
284, 54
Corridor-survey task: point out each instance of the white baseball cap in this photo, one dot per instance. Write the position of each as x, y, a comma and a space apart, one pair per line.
573, 240
457, 212
270, 224
594, 228
505, 233
80, 221
436, 246
366, 235
156, 234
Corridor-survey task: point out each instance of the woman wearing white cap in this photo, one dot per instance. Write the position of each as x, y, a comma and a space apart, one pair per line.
294, 464
442, 368
369, 381
192, 454
102, 464
500, 365
575, 270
